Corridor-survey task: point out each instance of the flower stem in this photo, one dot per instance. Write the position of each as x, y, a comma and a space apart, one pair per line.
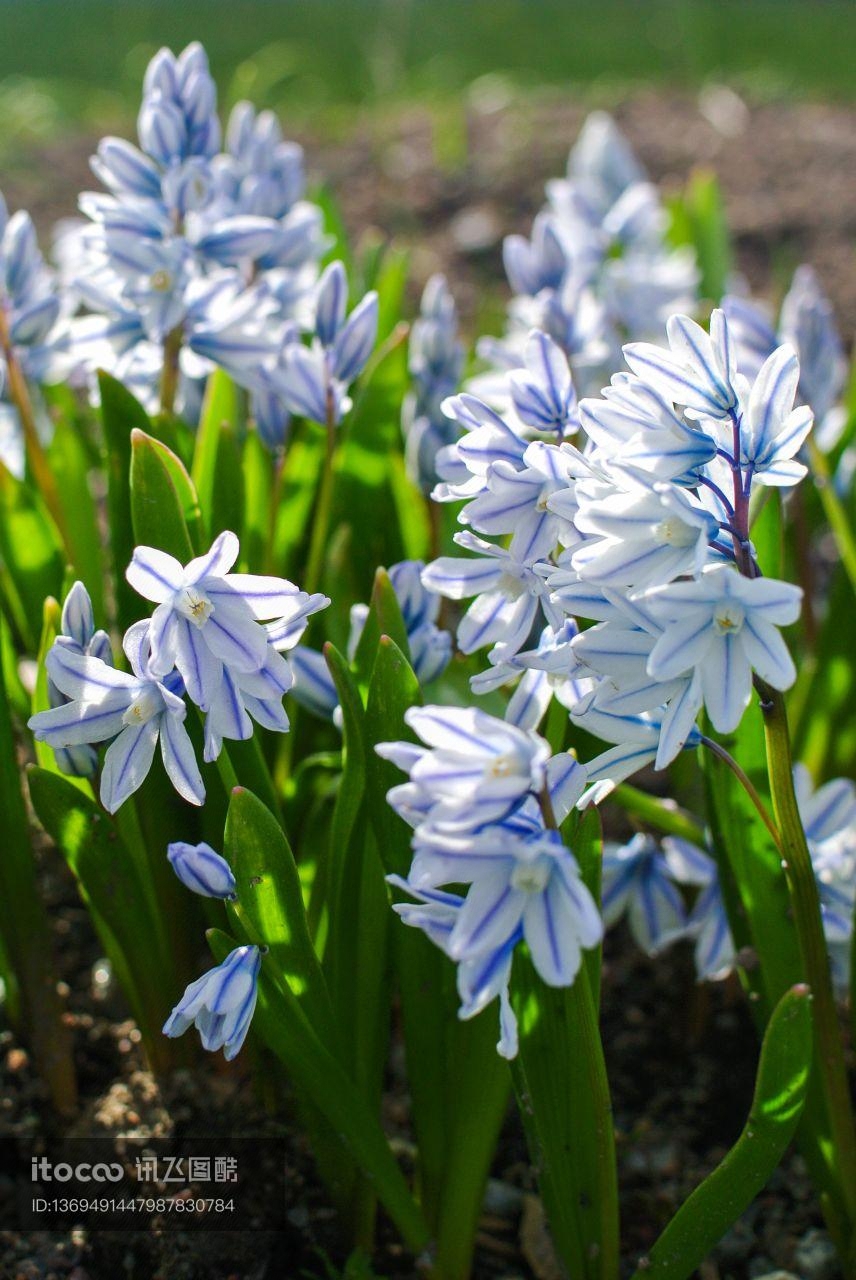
805, 902
20, 393
318, 545
747, 785
169, 375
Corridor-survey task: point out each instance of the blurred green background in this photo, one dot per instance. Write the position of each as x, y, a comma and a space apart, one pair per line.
67, 64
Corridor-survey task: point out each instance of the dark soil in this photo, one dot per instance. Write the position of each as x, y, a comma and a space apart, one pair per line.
681, 1062
681, 1059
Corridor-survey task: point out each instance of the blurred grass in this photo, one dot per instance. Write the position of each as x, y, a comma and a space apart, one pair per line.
66, 64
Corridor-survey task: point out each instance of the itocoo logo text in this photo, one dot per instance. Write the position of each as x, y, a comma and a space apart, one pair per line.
44, 1170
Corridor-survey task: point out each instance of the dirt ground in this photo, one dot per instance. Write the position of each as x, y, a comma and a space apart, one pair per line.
451, 184
681, 1059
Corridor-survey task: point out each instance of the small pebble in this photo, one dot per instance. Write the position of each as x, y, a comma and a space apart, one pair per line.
816, 1258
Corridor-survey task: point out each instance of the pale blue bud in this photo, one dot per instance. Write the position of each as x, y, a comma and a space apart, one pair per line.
202, 870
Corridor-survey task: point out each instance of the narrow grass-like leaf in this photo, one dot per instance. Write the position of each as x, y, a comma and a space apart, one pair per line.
698, 219
31, 557
780, 1093
563, 1096
384, 618
217, 457
121, 413
357, 959
70, 462
317, 1074
257, 467
158, 510
270, 903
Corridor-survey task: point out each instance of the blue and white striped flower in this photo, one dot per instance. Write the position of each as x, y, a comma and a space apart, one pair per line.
511, 596
699, 371
637, 742
632, 421
641, 534
724, 626
597, 269
137, 710
771, 429
615, 653
178, 115
479, 980
715, 953
528, 887
207, 618
77, 632
524, 886
202, 870
518, 500
543, 392
221, 1003
637, 883
473, 768
549, 671
313, 381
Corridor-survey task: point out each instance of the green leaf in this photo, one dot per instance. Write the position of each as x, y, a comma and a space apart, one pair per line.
216, 466
698, 219
293, 499
270, 903
71, 464
317, 1074
25, 931
121, 413
384, 618
164, 506
116, 899
258, 473
584, 837
357, 957
563, 1097
31, 557
780, 1093
390, 283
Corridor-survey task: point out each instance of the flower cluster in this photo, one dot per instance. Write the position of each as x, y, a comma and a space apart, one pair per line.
597, 269
477, 796
641, 879
216, 637
195, 258
643, 530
